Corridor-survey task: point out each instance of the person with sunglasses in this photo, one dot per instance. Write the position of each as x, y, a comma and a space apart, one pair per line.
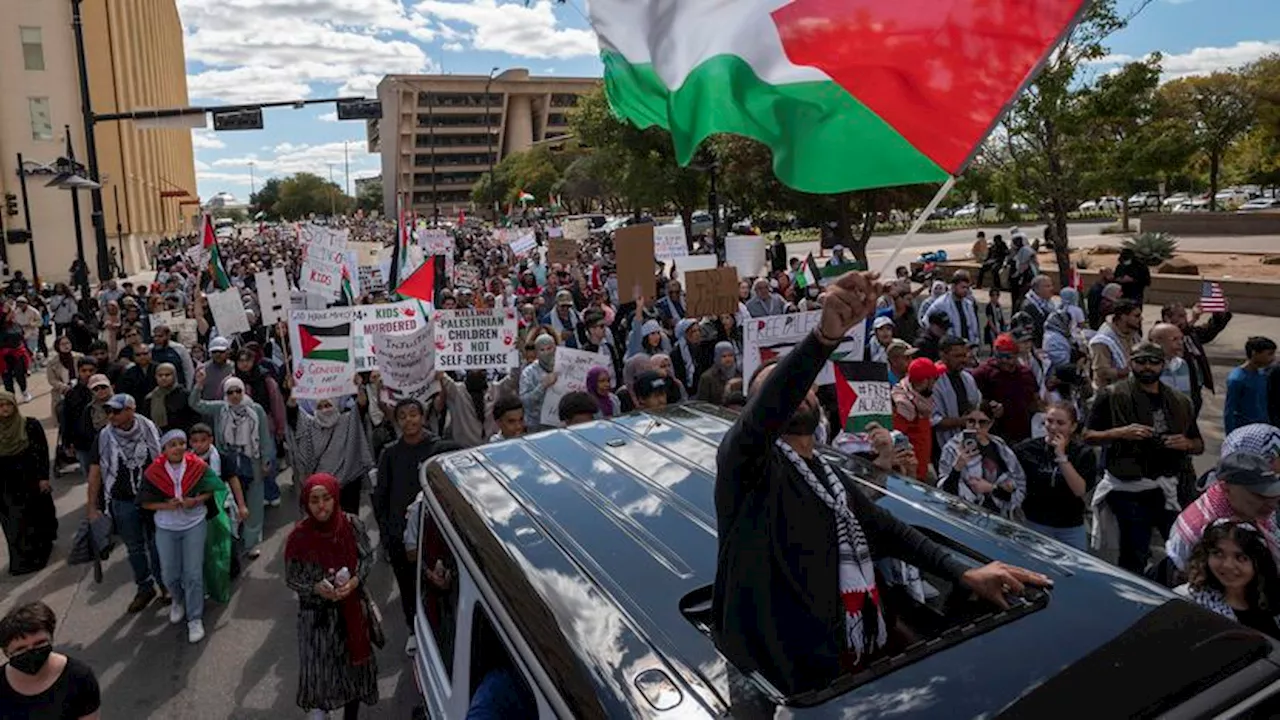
1147, 429
1232, 573
37, 682
979, 467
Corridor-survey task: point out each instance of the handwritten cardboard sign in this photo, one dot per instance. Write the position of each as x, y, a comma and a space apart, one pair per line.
669, 242
578, 229
571, 370
633, 247
711, 292
562, 250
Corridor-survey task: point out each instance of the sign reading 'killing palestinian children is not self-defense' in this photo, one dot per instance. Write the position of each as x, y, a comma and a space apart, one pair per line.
476, 339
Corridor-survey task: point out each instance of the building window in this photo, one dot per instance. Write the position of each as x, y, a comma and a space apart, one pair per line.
32, 48
41, 120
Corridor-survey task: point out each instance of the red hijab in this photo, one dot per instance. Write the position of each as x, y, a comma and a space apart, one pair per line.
332, 545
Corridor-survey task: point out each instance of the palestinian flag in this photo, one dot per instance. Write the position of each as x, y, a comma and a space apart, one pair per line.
216, 272
348, 292
331, 343
831, 272
525, 197
808, 274
424, 283
862, 395
848, 94
400, 250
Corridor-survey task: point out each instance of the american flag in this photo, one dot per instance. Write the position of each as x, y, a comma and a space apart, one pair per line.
1211, 298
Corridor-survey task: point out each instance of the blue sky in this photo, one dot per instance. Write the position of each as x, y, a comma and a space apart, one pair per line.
260, 50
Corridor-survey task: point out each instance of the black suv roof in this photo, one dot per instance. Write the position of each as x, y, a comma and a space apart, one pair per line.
591, 536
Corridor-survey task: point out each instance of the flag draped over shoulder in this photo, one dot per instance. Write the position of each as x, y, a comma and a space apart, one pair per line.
847, 94
216, 271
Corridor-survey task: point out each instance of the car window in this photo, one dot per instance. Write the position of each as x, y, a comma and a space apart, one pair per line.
438, 588
498, 687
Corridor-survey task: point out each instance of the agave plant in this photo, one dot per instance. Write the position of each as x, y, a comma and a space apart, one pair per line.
1152, 248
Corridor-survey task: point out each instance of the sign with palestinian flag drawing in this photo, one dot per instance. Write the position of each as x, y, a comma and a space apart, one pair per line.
400, 318
323, 357
863, 395
765, 338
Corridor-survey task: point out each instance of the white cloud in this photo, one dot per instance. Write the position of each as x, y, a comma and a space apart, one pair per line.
514, 28
453, 47
288, 158
245, 85
1203, 60
205, 140
331, 116
360, 86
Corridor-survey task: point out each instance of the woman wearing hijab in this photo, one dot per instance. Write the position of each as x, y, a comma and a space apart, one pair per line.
167, 405
646, 336
331, 442
1057, 342
245, 443
338, 668
27, 514
600, 387
676, 391
631, 370
711, 384
186, 495
536, 377
689, 360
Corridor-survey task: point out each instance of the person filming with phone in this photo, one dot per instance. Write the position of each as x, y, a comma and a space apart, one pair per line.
795, 595
980, 468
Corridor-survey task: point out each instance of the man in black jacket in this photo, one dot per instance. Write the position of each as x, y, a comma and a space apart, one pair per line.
795, 595
1194, 338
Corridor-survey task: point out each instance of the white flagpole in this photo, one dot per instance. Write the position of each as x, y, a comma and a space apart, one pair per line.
885, 269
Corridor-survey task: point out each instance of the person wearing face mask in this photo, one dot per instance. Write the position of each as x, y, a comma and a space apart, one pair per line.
913, 410
1148, 429
536, 377
795, 595
37, 682
331, 442
167, 405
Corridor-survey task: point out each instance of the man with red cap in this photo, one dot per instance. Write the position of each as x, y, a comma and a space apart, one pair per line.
1004, 380
913, 410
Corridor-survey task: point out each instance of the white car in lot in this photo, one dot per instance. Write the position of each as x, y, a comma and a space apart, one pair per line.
1260, 204
1174, 201
1231, 197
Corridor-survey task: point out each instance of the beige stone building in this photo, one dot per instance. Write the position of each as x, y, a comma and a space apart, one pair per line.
445, 131
135, 57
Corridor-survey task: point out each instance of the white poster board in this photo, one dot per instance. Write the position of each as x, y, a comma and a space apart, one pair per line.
776, 335
323, 360
689, 263
320, 278
434, 241
579, 229
669, 242
228, 312
571, 370
745, 252
476, 339
522, 244
401, 318
273, 295
407, 361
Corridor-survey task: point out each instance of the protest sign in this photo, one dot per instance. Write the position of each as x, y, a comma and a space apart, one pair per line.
367, 253
688, 264
182, 327
773, 336
669, 242
466, 275
634, 249
406, 361
273, 295
323, 361
571, 370
863, 395
711, 292
745, 252
577, 230
434, 241
562, 250
371, 280
399, 318
475, 339
320, 278
228, 312
522, 244
555, 232
198, 256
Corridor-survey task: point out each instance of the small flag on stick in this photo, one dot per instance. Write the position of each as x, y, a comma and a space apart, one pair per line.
1212, 299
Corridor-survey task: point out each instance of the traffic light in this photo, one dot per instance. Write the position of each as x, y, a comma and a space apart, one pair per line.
10, 204
359, 109
248, 119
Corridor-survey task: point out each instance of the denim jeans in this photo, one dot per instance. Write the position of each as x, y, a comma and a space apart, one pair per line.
1137, 514
139, 540
253, 497
270, 488
182, 560
1076, 537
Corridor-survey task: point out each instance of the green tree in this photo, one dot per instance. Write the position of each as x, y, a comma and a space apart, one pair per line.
1219, 109
305, 194
369, 196
265, 199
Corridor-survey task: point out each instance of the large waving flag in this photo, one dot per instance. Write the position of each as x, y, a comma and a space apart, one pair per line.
848, 94
210, 242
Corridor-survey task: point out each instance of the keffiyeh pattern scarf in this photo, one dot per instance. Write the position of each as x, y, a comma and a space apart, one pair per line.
865, 630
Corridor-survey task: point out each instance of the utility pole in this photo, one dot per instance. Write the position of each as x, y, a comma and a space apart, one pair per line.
346, 165
333, 199
26, 214
253, 189
431, 135
75, 216
91, 149
488, 131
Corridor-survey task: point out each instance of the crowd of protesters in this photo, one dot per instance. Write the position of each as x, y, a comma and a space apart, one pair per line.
1055, 411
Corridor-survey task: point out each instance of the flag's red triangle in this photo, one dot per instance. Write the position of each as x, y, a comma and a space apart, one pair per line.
846, 395
308, 341
422, 283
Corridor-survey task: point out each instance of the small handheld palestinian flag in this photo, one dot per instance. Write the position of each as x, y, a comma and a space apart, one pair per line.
808, 274
862, 395
348, 293
216, 272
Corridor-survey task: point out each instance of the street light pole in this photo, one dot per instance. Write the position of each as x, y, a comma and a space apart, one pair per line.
75, 217
26, 213
115, 192
488, 131
431, 138
91, 149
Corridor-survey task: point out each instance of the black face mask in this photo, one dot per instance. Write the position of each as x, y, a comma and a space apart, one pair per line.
1147, 377
927, 392
804, 422
30, 661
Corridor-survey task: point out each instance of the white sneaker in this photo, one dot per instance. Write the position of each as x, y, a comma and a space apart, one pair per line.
195, 631
26, 396
273, 503
411, 646
176, 612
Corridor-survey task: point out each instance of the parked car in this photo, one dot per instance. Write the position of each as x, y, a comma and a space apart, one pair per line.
1102, 204
594, 220
581, 563
1174, 201
974, 211
1144, 201
1231, 197
1258, 204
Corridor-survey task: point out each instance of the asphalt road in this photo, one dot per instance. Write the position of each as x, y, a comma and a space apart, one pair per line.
246, 667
